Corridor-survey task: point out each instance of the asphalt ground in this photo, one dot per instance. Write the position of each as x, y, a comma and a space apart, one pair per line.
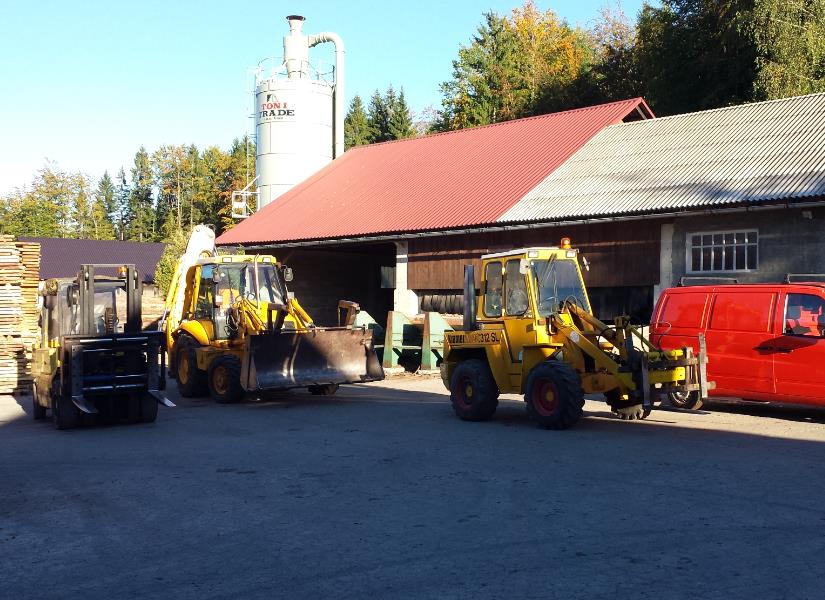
380, 492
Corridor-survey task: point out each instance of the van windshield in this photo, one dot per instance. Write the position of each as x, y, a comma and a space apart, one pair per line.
558, 280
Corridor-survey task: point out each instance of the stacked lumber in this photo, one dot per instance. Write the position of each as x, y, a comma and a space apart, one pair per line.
19, 279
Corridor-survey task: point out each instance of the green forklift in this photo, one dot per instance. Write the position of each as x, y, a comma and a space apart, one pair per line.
93, 362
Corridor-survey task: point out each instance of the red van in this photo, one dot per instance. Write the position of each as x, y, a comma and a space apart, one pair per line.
765, 342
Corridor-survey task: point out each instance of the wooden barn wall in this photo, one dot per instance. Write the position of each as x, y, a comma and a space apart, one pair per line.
620, 254
323, 277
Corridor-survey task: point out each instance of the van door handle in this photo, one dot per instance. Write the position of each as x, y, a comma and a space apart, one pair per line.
774, 349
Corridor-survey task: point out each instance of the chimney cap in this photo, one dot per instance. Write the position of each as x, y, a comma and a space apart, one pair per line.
295, 18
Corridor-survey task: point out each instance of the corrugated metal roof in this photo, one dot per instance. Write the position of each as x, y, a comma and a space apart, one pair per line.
62, 257
455, 179
751, 153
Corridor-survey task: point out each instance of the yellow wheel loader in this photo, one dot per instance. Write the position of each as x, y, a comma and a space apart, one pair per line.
532, 333
232, 327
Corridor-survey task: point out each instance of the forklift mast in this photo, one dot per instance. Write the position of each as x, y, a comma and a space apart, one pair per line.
86, 297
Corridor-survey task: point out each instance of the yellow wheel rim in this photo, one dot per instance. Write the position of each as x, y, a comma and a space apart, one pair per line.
220, 380
468, 391
183, 369
550, 396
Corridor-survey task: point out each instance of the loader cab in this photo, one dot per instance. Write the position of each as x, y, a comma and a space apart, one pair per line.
530, 283
221, 283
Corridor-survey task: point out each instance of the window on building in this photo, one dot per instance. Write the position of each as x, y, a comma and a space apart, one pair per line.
723, 251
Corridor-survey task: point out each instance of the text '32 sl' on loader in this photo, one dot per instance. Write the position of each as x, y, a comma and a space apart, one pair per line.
533, 333
92, 359
232, 327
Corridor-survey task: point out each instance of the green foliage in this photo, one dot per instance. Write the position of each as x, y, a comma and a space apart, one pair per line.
401, 124
357, 130
165, 270
790, 43
389, 117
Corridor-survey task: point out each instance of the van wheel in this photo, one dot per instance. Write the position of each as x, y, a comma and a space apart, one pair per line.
554, 395
225, 379
689, 400
473, 391
191, 380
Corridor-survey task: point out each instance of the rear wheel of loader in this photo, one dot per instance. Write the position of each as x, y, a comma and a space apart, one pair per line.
690, 400
554, 395
225, 379
473, 391
323, 390
191, 380
626, 410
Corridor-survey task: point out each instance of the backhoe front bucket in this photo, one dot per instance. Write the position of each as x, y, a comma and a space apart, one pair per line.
317, 357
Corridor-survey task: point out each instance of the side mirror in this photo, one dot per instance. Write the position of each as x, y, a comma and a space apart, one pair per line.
585, 264
523, 266
287, 273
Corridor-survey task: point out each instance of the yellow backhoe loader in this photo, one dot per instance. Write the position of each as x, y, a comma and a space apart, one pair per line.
232, 327
533, 333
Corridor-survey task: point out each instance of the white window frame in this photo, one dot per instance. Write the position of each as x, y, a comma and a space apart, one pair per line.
689, 251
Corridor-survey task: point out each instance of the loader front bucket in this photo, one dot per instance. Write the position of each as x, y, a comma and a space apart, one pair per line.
317, 357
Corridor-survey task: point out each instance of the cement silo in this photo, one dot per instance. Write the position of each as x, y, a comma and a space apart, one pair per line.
299, 113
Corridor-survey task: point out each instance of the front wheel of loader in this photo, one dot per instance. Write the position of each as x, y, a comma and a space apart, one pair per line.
689, 400
473, 391
323, 390
191, 380
225, 379
626, 410
554, 395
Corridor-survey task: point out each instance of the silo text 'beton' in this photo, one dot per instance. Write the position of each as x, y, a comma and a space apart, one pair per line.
299, 113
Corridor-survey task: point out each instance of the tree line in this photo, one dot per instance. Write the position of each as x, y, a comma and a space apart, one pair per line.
169, 190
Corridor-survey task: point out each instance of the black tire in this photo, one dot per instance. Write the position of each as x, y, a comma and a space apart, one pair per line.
323, 390
38, 411
65, 415
225, 379
473, 390
689, 400
191, 380
554, 395
624, 409
148, 408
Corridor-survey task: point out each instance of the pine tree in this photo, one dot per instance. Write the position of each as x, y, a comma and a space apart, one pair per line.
141, 221
120, 210
356, 125
102, 207
401, 123
378, 117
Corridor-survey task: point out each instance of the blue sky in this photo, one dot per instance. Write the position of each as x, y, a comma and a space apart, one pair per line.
84, 84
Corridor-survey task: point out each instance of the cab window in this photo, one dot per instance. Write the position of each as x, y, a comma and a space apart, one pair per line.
516, 290
805, 315
492, 293
206, 296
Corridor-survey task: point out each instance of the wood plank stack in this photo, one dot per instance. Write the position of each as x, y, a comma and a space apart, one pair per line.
19, 279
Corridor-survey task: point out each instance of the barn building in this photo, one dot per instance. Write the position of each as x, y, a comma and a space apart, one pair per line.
737, 191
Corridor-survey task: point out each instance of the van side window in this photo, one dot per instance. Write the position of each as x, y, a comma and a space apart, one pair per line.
805, 315
517, 302
492, 292
742, 311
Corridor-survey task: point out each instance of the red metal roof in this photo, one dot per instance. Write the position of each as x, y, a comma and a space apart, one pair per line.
448, 180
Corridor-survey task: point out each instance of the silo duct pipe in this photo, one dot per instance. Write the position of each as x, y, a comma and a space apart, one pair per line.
340, 111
